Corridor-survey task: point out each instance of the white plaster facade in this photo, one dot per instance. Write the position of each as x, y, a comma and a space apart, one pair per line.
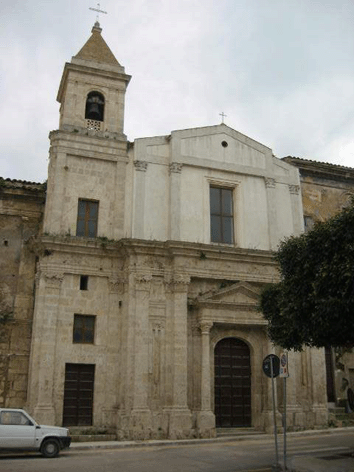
163, 295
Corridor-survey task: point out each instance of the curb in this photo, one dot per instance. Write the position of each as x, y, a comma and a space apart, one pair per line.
190, 442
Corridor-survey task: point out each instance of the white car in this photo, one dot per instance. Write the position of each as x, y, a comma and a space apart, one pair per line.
18, 430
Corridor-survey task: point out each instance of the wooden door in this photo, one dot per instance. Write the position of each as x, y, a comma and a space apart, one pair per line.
78, 394
331, 392
232, 384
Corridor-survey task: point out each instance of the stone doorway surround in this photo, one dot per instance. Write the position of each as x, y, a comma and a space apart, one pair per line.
232, 312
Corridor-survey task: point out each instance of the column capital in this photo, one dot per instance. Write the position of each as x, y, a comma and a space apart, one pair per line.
294, 189
175, 168
53, 279
142, 281
116, 284
269, 182
205, 326
141, 165
178, 282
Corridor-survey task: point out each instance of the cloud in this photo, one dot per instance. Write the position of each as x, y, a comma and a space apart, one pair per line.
281, 71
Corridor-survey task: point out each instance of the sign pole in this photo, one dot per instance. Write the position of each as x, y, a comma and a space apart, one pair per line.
284, 372
274, 415
284, 423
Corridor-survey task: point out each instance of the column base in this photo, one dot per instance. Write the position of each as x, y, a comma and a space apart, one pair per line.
140, 424
44, 414
321, 415
206, 424
177, 423
268, 421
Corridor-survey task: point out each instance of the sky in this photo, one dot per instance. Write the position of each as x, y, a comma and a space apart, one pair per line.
281, 70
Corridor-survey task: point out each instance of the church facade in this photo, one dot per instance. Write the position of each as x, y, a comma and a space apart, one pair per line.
149, 265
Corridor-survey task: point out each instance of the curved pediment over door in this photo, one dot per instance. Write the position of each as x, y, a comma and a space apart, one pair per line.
236, 304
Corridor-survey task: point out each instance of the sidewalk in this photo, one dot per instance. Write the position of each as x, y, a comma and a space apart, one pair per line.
323, 462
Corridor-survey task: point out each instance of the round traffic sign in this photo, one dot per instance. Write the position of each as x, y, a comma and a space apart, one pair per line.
267, 368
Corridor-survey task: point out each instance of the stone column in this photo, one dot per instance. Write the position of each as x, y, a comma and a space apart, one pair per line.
294, 416
296, 208
178, 414
114, 383
271, 206
140, 424
267, 413
175, 200
206, 418
42, 363
139, 199
319, 392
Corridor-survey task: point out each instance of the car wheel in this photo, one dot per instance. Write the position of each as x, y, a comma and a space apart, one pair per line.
50, 448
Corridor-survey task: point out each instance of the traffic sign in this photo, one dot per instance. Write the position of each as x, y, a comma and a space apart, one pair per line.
267, 368
284, 368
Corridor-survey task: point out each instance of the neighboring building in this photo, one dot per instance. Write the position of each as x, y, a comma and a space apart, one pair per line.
21, 209
326, 189
149, 267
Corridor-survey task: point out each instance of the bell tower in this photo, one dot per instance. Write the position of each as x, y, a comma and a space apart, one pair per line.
92, 89
88, 153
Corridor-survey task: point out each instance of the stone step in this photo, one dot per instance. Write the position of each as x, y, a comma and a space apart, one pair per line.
93, 437
220, 432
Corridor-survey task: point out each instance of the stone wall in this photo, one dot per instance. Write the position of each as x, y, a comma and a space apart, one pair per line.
21, 207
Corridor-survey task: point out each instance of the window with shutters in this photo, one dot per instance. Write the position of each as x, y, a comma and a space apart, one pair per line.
87, 218
221, 215
84, 329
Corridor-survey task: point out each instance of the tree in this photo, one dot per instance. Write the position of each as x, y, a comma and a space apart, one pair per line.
313, 304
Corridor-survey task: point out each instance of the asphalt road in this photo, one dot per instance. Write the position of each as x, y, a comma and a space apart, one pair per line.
247, 455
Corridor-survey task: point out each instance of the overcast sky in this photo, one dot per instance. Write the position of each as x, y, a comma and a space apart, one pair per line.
281, 70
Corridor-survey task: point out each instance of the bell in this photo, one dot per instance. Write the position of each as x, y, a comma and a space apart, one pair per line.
93, 112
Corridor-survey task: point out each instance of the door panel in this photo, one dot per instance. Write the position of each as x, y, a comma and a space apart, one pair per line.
78, 394
232, 383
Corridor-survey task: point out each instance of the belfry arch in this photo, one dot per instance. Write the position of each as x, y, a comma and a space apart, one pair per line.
232, 384
94, 109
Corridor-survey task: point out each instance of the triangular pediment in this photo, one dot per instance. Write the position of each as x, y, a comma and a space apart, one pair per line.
240, 293
221, 144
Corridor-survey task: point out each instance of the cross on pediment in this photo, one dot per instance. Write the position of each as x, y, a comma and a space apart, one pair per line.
222, 114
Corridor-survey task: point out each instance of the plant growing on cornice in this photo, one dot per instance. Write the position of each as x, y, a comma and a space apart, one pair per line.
43, 186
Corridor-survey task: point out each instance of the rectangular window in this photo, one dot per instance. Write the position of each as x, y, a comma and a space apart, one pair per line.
308, 223
83, 282
84, 329
221, 215
87, 218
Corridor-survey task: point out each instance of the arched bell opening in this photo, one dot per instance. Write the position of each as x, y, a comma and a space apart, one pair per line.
94, 106
232, 363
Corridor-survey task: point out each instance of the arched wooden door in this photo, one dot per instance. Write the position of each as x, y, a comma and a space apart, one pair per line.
232, 384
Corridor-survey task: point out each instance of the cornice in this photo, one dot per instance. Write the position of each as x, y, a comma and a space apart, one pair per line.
321, 169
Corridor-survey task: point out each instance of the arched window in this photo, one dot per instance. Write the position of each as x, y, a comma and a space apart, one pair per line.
94, 106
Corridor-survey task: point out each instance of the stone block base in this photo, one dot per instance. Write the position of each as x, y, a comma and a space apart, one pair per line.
140, 425
206, 424
177, 423
44, 414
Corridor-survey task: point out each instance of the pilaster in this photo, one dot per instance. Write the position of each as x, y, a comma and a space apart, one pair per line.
140, 416
271, 205
42, 362
177, 417
296, 208
205, 417
139, 199
175, 200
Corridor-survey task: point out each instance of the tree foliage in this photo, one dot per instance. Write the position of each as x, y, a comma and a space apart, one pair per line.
313, 304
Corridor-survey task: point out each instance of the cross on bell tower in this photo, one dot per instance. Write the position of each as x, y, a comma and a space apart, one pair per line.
98, 10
